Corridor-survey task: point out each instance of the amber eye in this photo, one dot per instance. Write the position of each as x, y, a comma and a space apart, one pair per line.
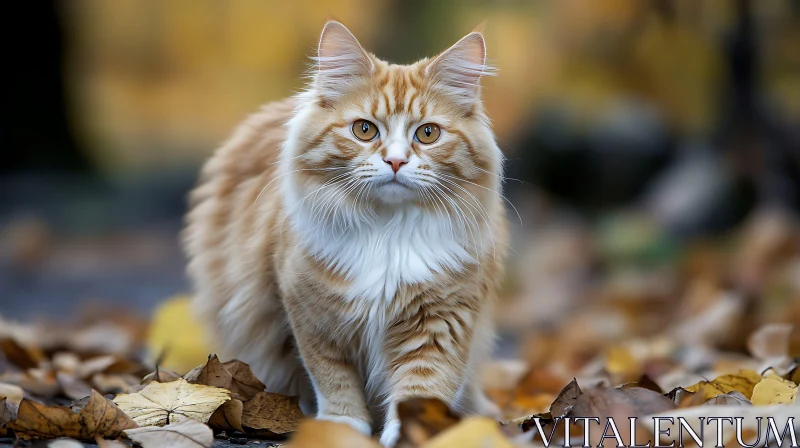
428, 133
364, 130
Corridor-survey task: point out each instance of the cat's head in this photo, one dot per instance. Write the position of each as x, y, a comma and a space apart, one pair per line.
371, 135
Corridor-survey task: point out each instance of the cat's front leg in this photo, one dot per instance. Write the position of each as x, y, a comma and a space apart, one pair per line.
337, 384
428, 355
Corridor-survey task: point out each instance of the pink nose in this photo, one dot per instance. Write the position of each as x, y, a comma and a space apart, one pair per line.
396, 163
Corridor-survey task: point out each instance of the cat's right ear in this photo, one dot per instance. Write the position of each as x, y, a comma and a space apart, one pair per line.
340, 60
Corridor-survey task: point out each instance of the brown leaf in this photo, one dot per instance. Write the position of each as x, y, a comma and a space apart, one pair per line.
421, 419
159, 376
5, 412
22, 357
323, 433
228, 417
645, 382
183, 434
235, 376
98, 416
271, 414
619, 405
731, 398
566, 399
72, 387
38, 382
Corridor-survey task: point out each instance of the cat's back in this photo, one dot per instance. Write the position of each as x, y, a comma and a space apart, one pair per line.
223, 218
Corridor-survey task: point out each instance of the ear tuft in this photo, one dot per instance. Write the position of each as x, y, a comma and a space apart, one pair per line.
340, 60
458, 70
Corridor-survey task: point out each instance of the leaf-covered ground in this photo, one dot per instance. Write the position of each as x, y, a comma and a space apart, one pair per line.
617, 322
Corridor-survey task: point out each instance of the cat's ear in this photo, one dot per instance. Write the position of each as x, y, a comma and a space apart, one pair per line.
458, 70
340, 60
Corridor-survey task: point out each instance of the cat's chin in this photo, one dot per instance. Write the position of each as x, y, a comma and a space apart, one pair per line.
395, 193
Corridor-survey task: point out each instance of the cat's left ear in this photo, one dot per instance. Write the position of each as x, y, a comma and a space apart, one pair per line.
458, 70
340, 60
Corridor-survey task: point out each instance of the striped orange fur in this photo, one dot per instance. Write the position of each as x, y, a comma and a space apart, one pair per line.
348, 243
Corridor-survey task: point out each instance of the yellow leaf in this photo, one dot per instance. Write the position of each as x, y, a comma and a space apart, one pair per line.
159, 404
742, 382
476, 432
774, 390
175, 332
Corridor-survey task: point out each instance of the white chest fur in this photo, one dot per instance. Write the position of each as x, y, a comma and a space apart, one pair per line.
399, 246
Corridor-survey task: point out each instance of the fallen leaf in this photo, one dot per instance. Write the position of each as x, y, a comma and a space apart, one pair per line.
228, 417
22, 357
645, 382
235, 376
40, 382
95, 416
175, 332
72, 387
328, 434
421, 419
476, 432
271, 414
187, 433
742, 382
159, 404
5, 413
774, 390
770, 342
13, 393
621, 364
619, 405
566, 399
733, 398
113, 383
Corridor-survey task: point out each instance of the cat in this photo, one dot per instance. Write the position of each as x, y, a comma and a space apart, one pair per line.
348, 242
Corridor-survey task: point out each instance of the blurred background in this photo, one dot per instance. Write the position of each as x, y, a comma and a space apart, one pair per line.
653, 148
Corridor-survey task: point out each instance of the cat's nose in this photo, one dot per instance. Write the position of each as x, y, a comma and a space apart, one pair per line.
395, 162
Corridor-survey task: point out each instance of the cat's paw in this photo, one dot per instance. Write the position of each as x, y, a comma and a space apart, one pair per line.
391, 432
359, 425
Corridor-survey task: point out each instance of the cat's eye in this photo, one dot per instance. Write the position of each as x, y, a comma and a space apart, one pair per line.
428, 133
364, 130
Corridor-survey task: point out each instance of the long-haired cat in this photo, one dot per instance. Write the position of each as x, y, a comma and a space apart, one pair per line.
348, 243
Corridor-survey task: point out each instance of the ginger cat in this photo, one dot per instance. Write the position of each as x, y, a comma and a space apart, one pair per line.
348, 243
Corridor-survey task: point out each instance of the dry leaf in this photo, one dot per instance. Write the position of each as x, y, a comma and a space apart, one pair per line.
22, 357
621, 364
72, 387
40, 382
324, 433
96, 416
421, 419
13, 393
113, 383
271, 414
228, 416
742, 382
235, 376
774, 390
477, 432
566, 399
175, 332
186, 433
619, 404
733, 398
770, 342
159, 404
5, 412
